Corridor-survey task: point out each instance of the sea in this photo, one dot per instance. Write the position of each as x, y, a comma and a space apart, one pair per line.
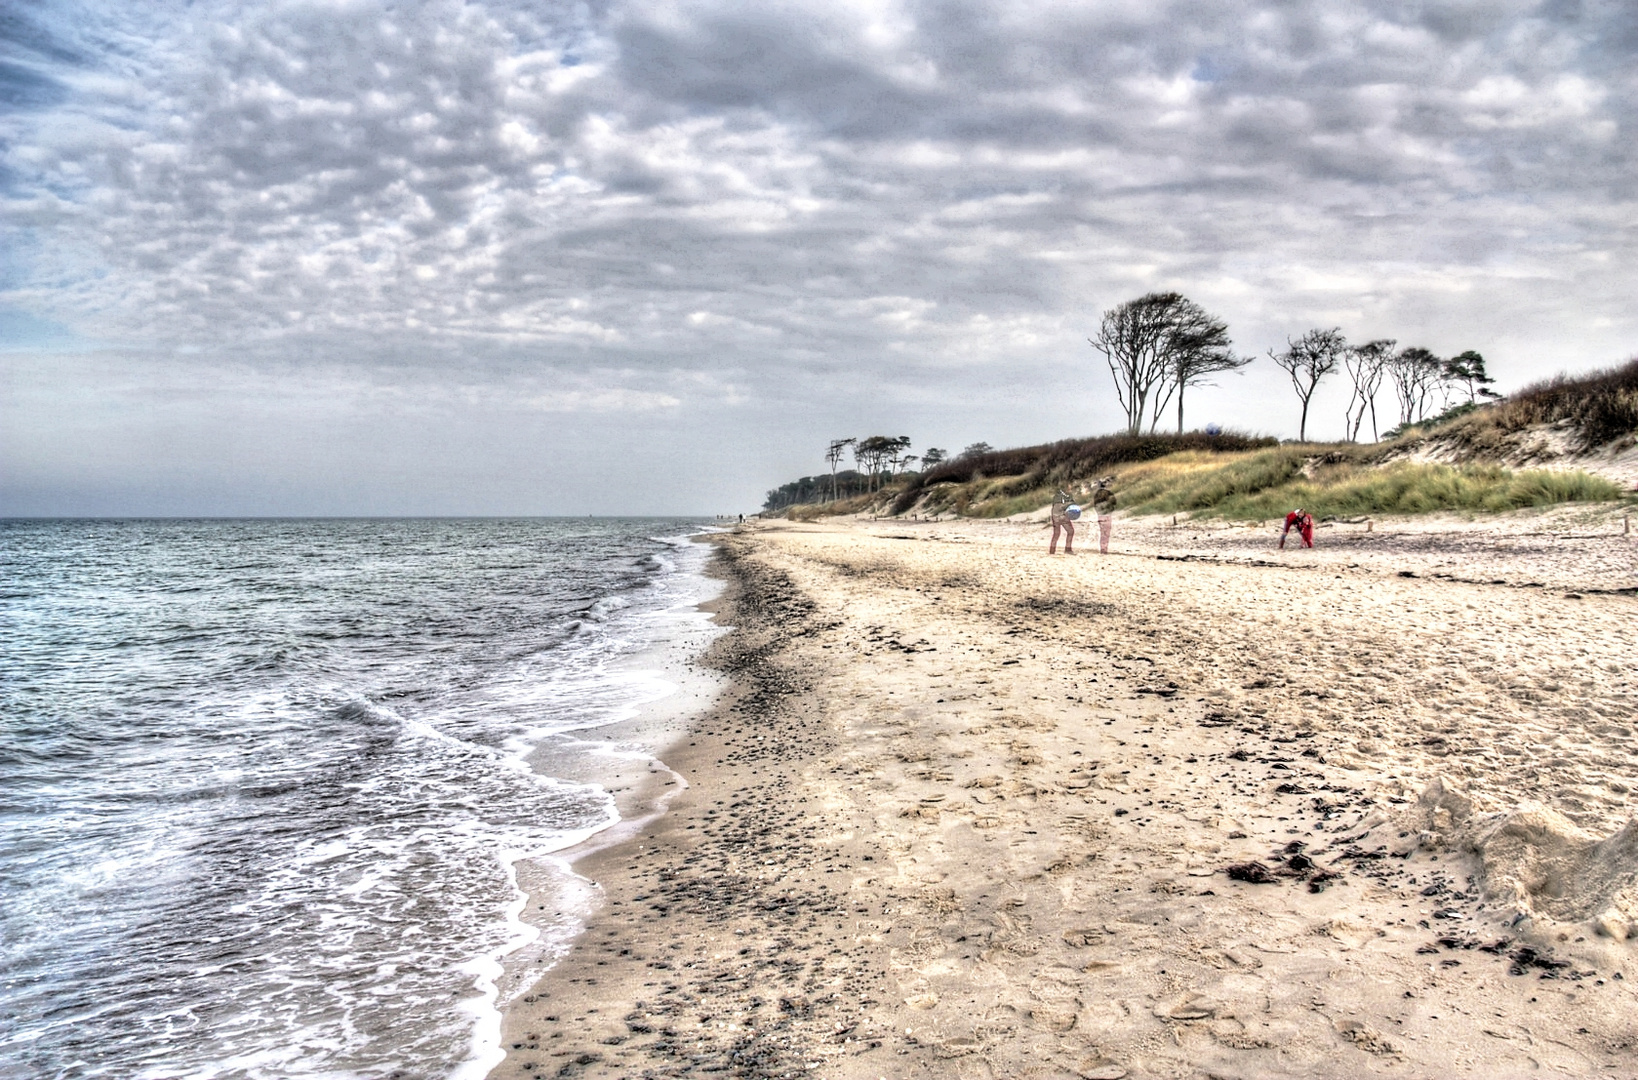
286, 798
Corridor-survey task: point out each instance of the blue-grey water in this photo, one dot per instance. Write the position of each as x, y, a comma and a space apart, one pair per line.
263, 785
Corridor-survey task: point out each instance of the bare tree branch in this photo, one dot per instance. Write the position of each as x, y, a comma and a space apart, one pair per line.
1416, 374
1366, 365
833, 456
1308, 360
1199, 347
1157, 346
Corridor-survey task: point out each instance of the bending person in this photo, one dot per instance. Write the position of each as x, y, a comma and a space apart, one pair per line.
1303, 522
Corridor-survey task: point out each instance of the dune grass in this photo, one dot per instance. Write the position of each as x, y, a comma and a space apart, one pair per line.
1328, 480
1234, 475
1006, 482
857, 504
1339, 483
1601, 407
1240, 477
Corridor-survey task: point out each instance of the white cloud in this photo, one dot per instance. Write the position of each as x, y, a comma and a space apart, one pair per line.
777, 196
601, 401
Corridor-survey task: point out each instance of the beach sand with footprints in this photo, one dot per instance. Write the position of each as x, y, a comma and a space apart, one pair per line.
1196, 808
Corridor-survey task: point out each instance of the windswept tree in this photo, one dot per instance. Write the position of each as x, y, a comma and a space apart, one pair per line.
1416, 373
1132, 338
1157, 346
900, 461
1365, 364
1467, 370
977, 449
1308, 360
896, 461
933, 456
834, 456
1199, 346
879, 450
868, 454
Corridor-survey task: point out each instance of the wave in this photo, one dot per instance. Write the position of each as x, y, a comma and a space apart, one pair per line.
302, 847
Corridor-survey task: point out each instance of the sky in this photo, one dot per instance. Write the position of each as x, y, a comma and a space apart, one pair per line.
366, 257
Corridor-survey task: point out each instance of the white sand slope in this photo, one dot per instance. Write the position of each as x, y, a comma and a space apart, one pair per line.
1075, 751
1230, 812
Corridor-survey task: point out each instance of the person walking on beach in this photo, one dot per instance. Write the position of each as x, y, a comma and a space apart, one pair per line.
1103, 502
1064, 513
1303, 522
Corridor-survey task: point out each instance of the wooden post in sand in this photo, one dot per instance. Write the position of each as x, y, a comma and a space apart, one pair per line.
1369, 525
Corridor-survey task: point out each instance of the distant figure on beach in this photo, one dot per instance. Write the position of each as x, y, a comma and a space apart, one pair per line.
1064, 513
1303, 522
1103, 502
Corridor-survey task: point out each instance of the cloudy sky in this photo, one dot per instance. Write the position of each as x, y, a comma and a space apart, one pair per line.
360, 256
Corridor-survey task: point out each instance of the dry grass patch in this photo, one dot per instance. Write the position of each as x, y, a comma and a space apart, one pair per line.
1342, 482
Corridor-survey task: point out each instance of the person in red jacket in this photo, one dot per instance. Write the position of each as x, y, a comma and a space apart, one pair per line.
1303, 522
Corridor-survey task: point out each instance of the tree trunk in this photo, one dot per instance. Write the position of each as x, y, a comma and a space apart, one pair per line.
1180, 410
1302, 428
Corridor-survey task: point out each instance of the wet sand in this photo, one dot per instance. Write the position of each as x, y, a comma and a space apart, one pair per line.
1195, 808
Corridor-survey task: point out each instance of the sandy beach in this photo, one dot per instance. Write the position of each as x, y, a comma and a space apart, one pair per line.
1196, 808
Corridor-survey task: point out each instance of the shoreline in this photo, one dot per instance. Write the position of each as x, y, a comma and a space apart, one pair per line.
967, 811
624, 757
760, 611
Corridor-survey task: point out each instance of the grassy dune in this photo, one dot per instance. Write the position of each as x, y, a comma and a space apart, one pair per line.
1332, 482
1329, 481
1241, 477
1005, 482
1601, 408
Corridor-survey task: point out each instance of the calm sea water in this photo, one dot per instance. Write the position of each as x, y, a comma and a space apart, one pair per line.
263, 788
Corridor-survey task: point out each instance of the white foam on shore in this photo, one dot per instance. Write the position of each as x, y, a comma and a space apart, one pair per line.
666, 693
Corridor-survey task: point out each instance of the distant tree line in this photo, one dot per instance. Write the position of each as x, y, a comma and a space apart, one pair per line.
1159, 345
879, 460
818, 489
1423, 383
1156, 347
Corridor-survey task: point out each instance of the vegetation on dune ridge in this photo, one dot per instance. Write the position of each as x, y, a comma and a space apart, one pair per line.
1342, 481
1328, 480
1243, 477
1601, 409
1030, 476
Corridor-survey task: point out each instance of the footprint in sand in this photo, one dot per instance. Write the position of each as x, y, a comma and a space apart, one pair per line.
1189, 1007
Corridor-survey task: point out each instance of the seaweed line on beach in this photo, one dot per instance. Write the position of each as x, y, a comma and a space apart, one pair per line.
657, 1006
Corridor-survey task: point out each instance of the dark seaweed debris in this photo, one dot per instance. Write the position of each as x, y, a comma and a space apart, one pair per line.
1254, 873
1524, 958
